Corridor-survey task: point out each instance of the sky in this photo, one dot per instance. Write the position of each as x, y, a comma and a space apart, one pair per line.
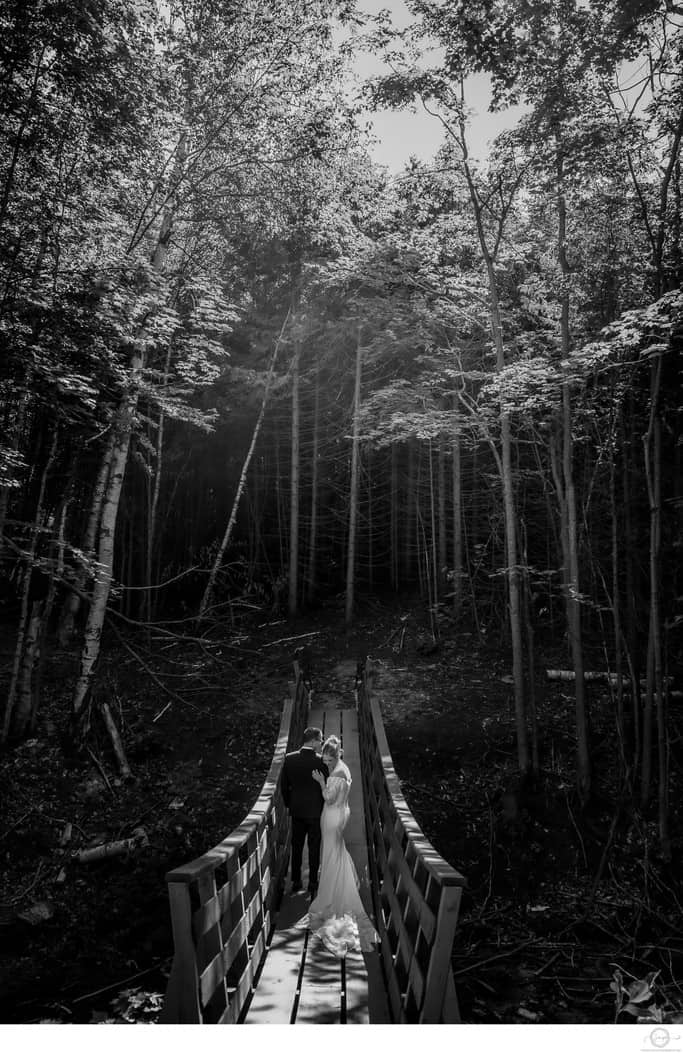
402, 134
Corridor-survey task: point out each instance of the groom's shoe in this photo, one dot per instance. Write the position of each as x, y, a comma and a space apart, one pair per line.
295, 887
312, 890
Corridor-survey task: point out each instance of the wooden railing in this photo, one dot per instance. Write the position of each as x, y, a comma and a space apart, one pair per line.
416, 893
222, 902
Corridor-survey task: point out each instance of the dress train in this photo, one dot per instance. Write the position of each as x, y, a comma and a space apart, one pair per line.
336, 915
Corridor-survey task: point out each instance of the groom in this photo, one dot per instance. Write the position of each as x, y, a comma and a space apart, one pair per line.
303, 797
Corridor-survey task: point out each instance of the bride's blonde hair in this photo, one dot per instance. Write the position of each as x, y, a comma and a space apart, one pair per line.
332, 745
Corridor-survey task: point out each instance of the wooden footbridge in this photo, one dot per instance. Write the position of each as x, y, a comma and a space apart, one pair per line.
241, 953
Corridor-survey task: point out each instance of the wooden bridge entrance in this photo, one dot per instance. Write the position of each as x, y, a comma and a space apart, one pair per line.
241, 954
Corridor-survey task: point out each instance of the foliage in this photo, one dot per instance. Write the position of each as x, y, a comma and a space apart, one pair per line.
640, 999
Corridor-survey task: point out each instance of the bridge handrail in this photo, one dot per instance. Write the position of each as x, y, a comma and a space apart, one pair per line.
416, 893
222, 902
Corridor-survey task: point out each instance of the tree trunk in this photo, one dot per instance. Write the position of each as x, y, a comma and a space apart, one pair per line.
26, 700
409, 520
46, 614
573, 603
421, 551
154, 503
531, 654
122, 427
457, 520
26, 635
572, 583
280, 512
72, 601
354, 489
16, 430
293, 601
371, 567
208, 592
443, 532
616, 619
394, 518
315, 475
509, 510
433, 552
514, 596
652, 442
30, 678
631, 633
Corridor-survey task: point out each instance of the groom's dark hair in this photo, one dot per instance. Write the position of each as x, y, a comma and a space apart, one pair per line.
312, 733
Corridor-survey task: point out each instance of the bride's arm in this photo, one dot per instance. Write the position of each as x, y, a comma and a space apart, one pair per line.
332, 789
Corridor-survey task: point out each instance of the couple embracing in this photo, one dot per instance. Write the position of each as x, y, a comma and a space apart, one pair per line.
315, 788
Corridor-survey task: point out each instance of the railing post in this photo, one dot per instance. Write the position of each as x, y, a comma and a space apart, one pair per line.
181, 1005
439, 1005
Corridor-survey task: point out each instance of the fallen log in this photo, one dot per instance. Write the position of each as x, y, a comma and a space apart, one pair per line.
605, 678
100, 852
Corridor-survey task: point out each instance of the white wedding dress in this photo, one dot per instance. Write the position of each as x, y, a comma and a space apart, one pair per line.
336, 915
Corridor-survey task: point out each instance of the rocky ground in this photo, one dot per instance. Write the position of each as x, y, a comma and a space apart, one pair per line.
540, 940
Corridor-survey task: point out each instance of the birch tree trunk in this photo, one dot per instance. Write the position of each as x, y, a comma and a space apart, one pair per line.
354, 489
122, 427
72, 601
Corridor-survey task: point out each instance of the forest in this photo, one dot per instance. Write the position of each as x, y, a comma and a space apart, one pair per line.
258, 390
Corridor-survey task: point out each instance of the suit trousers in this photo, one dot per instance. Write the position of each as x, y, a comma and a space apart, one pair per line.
303, 828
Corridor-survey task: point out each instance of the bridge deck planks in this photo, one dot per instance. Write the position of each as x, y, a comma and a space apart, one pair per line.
273, 1000
329, 994
320, 1000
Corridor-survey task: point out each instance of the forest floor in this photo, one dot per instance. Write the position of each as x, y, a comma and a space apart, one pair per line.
539, 938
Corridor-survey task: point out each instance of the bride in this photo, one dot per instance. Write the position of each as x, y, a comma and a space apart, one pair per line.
336, 914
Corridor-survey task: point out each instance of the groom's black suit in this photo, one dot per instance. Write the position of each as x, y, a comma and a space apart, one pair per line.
303, 797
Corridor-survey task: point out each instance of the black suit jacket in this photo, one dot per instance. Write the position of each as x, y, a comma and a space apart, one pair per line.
303, 796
